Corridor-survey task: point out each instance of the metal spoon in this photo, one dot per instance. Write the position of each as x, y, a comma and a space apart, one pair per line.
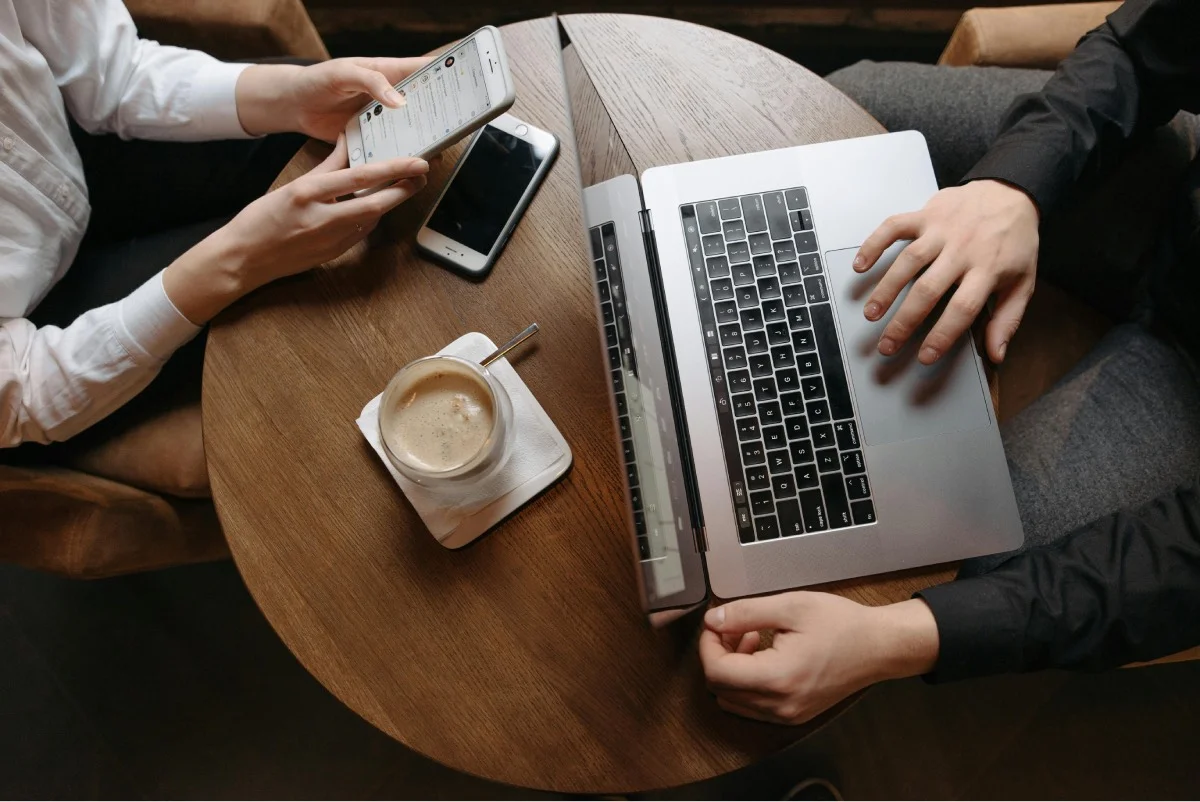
511, 344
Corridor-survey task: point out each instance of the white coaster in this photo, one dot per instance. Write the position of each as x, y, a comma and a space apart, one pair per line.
540, 456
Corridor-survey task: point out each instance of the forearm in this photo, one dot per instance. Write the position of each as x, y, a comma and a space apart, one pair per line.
264, 101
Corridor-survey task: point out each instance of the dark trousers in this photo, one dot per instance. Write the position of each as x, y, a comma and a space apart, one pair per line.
151, 202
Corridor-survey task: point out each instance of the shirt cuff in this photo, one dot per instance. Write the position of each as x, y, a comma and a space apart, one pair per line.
213, 102
1039, 170
148, 324
979, 629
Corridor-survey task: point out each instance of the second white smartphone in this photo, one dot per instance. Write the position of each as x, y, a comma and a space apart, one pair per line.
454, 94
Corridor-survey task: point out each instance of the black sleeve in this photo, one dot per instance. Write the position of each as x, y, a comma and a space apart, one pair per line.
1125, 588
1131, 74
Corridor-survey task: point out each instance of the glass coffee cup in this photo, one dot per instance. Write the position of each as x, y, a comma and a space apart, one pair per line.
446, 422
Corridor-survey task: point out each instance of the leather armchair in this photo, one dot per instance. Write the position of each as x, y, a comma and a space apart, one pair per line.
142, 501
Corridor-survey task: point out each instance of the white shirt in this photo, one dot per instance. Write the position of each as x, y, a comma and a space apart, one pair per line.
84, 57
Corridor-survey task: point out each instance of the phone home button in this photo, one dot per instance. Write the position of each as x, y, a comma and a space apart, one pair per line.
522, 130
356, 154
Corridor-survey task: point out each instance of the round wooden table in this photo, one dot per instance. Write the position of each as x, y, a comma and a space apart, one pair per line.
524, 658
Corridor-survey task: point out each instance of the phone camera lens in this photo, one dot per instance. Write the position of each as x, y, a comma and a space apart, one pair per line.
378, 110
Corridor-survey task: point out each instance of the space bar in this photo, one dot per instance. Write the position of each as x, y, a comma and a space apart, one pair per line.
832, 367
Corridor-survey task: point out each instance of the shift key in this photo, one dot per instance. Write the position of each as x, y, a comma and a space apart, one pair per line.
835, 497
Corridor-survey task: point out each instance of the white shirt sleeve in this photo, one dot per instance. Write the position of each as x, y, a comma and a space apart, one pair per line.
115, 82
56, 382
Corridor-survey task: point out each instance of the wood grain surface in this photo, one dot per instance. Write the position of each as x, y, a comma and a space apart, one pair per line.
524, 658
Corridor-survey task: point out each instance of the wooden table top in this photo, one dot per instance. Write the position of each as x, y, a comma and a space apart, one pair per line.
524, 658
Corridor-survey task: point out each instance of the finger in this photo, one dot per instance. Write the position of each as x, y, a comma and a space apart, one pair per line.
377, 204
965, 305
334, 184
336, 160
915, 256
896, 227
746, 712
725, 669
355, 78
394, 70
922, 297
749, 643
1010, 308
747, 615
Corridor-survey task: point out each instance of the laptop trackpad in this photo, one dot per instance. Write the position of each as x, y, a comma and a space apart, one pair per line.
898, 397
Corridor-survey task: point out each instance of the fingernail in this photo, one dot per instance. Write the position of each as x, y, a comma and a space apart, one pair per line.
394, 97
859, 262
929, 354
1002, 349
887, 346
714, 617
872, 311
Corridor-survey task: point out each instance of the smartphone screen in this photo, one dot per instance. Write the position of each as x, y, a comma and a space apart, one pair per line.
486, 189
440, 99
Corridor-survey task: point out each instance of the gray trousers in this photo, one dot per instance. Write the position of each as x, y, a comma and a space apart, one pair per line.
1124, 426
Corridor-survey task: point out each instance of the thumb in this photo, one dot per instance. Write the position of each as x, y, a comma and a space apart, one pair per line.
336, 160
374, 84
1010, 308
750, 615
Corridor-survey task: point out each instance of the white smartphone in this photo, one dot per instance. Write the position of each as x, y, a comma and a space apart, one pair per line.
490, 188
453, 95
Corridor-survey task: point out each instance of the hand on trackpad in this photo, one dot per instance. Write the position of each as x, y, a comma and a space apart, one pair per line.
898, 397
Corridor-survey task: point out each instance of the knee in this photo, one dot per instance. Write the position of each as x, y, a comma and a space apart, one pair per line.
857, 81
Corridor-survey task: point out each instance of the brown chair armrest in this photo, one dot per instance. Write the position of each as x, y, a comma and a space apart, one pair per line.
70, 523
1022, 36
231, 29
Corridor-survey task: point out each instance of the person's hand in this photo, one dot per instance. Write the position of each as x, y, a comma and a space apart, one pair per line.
982, 236
824, 648
320, 99
287, 231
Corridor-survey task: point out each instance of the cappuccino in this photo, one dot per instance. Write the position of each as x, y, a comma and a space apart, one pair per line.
441, 421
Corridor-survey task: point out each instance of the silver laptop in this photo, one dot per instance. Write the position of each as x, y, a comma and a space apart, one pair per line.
767, 444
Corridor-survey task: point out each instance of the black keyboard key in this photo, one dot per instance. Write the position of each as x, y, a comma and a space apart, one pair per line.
801, 451
618, 381
597, 242
758, 478
790, 522
783, 357
827, 460
733, 230
610, 335
706, 216
601, 271
804, 341
747, 429
743, 404
783, 486
774, 437
799, 318
760, 366
810, 264
756, 338
639, 523
801, 220
726, 312
773, 309
635, 498
605, 294
713, 245
777, 333
739, 381
823, 436
769, 413
627, 450
753, 454
766, 527
764, 266
760, 244
817, 411
606, 311
743, 275
793, 404
729, 208
752, 320
622, 407
623, 425
864, 512
764, 390
807, 364
769, 288
813, 508
797, 427
805, 241
718, 267
631, 471
643, 548
785, 251
722, 289
753, 213
831, 359
857, 487
614, 358
761, 503
777, 218
745, 525
735, 358
738, 489
837, 506
731, 334
778, 461
852, 463
789, 273
787, 380
737, 251
794, 295
815, 289
747, 297
812, 387
847, 434
807, 476
796, 198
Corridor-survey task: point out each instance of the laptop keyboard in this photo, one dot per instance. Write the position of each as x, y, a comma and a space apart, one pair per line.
607, 262
788, 427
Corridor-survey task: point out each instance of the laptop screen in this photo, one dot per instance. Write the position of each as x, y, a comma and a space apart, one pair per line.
653, 449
